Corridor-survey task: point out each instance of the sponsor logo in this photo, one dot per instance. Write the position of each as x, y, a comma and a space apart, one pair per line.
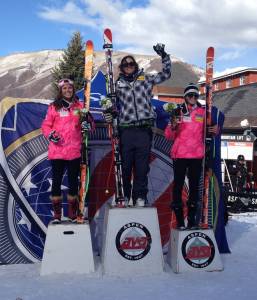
199, 118
142, 77
198, 250
133, 241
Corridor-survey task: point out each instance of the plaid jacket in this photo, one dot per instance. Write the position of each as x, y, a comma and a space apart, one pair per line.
134, 98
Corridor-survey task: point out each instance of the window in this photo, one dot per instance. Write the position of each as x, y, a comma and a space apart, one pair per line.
228, 83
242, 80
216, 86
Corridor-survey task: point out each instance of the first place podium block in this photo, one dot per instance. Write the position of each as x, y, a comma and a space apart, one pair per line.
193, 250
131, 242
68, 249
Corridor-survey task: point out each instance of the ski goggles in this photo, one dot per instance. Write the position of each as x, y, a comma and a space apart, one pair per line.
192, 95
128, 64
62, 82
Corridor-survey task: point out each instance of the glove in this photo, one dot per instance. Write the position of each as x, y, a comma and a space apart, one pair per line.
159, 49
85, 126
108, 117
54, 137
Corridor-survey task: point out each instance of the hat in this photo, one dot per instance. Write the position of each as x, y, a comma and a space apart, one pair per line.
191, 88
240, 157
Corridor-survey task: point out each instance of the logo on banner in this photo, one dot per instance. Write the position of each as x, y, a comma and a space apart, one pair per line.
133, 241
198, 250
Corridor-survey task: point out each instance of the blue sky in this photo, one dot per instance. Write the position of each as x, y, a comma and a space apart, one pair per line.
187, 27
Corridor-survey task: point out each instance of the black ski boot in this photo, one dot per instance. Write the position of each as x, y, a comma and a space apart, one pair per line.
179, 218
191, 217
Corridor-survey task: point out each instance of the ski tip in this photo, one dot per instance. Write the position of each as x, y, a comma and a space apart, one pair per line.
89, 44
108, 36
210, 51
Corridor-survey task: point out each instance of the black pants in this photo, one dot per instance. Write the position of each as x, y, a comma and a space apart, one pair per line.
73, 168
135, 152
194, 168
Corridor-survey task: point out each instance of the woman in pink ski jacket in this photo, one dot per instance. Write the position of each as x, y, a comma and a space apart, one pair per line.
62, 127
187, 152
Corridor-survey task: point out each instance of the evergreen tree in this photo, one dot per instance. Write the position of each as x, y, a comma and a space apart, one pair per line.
72, 63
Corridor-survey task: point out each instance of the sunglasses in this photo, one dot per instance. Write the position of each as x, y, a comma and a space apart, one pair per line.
191, 95
62, 82
128, 64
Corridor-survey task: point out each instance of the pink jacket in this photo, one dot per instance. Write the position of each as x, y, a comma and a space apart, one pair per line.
188, 137
67, 124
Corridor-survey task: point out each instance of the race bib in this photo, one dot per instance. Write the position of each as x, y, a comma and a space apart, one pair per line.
64, 113
187, 119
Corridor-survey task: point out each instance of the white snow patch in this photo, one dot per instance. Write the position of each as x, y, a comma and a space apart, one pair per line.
235, 282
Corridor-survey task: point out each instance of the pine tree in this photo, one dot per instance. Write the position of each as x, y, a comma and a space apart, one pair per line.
72, 63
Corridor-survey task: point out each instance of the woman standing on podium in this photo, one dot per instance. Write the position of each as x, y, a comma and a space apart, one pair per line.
62, 127
188, 150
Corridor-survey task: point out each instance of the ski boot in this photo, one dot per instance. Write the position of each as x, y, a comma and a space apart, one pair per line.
179, 218
57, 208
191, 217
72, 208
140, 202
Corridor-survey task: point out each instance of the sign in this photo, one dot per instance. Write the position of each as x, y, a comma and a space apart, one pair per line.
133, 241
198, 250
234, 145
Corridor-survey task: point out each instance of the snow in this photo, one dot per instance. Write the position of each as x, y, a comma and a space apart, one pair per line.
237, 281
39, 62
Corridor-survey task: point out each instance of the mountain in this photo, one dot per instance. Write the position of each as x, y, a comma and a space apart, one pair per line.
28, 75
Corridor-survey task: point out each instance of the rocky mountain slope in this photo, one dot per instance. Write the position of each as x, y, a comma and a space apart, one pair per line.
29, 74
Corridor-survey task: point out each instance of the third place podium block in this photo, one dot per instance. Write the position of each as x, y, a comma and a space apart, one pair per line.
193, 250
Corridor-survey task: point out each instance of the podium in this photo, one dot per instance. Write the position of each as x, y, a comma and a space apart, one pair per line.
68, 249
193, 250
131, 242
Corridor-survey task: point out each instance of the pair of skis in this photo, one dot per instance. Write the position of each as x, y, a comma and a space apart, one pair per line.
113, 129
85, 116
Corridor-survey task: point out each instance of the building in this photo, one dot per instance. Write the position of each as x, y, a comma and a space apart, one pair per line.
235, 79
235, 94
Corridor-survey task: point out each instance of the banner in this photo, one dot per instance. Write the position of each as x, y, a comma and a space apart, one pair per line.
25, 176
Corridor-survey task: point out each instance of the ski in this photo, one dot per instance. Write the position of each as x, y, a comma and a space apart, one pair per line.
113, 128
207, 137
85, 115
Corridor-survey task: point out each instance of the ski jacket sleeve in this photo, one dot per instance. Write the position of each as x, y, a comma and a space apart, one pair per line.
169, 133
164, 74
47, 125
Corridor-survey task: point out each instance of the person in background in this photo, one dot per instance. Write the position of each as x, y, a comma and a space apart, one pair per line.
238, 172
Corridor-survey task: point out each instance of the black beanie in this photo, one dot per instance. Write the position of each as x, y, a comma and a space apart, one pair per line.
191, 88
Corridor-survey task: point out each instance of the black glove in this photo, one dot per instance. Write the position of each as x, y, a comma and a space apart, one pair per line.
108, 117
159, 49
54, 137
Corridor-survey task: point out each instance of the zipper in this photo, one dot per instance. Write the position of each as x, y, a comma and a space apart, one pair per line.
134, 98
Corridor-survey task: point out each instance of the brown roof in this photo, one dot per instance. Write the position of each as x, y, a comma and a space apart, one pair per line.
167, 90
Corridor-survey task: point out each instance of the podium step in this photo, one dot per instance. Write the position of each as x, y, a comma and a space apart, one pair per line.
68, 249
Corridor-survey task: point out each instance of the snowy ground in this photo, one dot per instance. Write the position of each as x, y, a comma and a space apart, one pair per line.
237, 281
